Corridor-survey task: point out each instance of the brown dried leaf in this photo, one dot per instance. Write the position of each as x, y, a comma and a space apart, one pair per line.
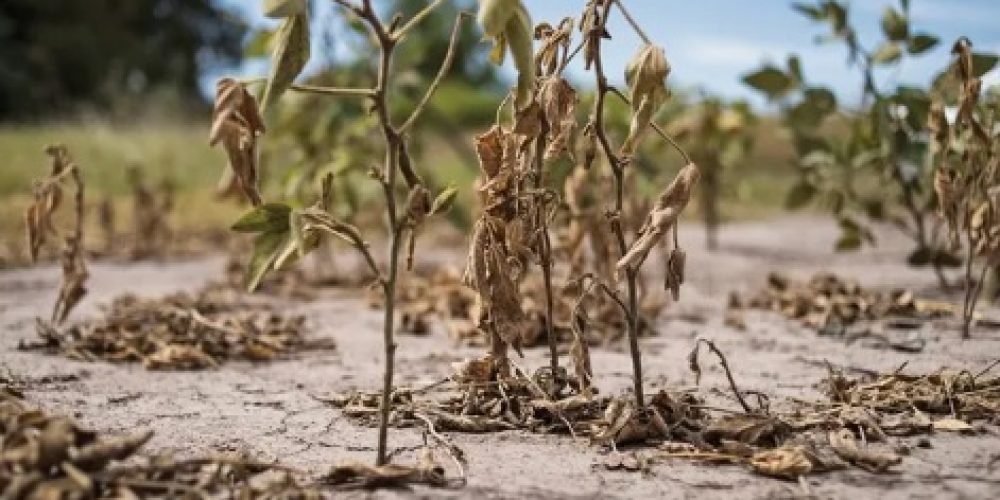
662, 217
846, 446
236, 123
427, 472
788, 462
558, 100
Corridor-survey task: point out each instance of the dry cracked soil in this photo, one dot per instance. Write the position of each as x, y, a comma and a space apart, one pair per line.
271, 410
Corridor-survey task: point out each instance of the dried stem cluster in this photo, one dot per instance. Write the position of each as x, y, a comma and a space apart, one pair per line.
513, 229
967, 178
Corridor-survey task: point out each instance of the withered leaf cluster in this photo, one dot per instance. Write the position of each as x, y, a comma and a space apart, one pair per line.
52, 456
507, 236
181, 332
237, 124
829, 303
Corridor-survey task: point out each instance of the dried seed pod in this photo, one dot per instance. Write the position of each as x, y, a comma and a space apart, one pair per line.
662, 217
674, 272
236, 122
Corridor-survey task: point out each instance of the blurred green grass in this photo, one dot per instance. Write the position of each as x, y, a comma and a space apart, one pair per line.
179, 152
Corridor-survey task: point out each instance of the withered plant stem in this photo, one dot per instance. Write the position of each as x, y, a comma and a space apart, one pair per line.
396, 160
546, 262
729, 374
597, 119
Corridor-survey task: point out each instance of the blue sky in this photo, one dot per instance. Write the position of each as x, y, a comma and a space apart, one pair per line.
711, 43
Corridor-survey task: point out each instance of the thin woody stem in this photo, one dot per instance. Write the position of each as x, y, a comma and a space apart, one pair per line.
657, 128
631, 21
449, 58
392, 156
632, 321
546, 262
416, 19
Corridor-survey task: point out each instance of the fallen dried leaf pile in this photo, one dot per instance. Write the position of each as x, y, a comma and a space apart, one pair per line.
830, 304
46, 456
181, 332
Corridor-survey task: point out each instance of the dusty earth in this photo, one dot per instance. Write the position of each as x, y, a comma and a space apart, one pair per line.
271, 410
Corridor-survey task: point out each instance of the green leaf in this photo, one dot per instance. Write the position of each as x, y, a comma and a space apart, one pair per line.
770, 80
269, 217
887, 53
894, 25
822, 99
267, 247
800, 194
983, 63
277, 9
444, 201
836, 13
850, 235
920, 43
291, 52
795, 69
809, 11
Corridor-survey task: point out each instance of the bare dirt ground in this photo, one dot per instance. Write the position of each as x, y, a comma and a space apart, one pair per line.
270, 410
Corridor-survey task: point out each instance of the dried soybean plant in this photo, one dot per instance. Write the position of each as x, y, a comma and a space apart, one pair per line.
646, 78
512, 231
48, 194
286, 233
966, 180
513, 228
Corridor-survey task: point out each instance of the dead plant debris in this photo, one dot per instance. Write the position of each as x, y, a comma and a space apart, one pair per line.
181, 331
835, 306
52, 456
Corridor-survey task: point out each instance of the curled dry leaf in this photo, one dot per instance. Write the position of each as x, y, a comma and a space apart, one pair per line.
73, 288
237, 124
356, 474
553, 42
662, 217
846, 446
646, 76
558, 100
787, 462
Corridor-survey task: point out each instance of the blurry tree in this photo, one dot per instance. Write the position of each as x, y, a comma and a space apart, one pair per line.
56, 54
